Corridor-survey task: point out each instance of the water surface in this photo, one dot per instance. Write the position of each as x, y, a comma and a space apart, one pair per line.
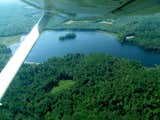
49, 45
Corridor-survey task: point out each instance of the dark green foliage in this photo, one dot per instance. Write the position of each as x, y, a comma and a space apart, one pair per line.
145, 30
5, 53
4, 49
105, 88
68, 36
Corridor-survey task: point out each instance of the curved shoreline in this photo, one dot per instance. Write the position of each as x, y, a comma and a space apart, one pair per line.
105, 31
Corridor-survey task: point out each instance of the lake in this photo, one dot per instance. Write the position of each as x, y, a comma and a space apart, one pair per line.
49, 45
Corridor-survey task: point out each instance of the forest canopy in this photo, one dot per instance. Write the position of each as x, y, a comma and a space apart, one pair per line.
5, 54
104, 88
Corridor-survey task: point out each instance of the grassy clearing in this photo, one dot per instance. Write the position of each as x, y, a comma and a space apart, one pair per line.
63, 85
9, 40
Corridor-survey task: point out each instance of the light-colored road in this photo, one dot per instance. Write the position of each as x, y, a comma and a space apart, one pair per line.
12, 67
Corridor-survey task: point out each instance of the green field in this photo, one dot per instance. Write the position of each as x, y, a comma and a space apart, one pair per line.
10, 40
63, 85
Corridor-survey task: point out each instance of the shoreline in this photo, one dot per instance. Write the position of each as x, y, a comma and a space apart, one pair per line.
122, 46
116, 35
31, 63
10, 40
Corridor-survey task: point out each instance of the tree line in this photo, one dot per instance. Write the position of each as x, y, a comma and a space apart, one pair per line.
104, 88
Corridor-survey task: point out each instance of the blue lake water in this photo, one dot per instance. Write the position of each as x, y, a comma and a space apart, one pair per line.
49, 45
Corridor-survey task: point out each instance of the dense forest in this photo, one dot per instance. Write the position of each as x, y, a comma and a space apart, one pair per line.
76, 87
5, 54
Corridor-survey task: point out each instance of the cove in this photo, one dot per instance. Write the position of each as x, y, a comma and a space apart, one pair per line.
86, 42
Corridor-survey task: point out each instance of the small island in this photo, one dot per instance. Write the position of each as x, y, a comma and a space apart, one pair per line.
68, 36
